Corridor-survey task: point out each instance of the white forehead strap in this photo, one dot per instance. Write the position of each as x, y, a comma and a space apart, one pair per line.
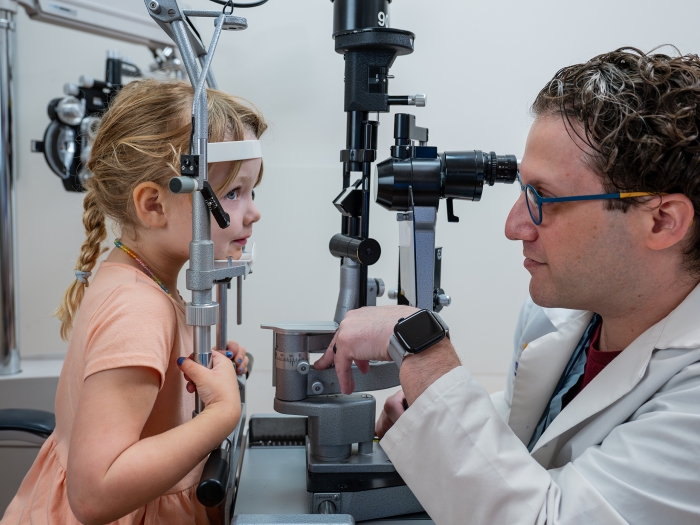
233, 150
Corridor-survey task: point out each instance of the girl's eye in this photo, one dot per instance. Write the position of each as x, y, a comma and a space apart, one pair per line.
232, 195
253, 194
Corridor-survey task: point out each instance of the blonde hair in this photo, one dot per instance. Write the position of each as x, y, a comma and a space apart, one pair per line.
140, 139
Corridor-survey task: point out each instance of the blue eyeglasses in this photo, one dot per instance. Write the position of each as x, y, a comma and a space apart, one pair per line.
535, 201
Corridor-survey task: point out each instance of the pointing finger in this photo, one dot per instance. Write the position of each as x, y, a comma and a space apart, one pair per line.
327, 359
343, 369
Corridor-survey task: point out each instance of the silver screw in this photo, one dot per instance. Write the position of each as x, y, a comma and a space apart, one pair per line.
303, 367
444, 300
317, 387
154, 6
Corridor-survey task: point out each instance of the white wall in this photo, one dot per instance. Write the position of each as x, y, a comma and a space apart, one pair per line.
481, 65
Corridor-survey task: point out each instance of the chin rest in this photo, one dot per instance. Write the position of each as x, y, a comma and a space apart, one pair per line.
23, 424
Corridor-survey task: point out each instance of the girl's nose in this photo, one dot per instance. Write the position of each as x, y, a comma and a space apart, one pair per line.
253, 213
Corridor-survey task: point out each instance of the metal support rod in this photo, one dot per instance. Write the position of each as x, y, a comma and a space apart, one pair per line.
218, 25
211, 79
367, 140
186, 51
201, 247
355, 132
366, 174
353, 140
239, 300
9, 351
221, 298
200, 13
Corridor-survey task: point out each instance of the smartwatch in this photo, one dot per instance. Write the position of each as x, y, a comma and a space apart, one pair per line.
416, 333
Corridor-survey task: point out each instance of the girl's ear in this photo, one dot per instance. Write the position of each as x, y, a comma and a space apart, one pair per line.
149, 200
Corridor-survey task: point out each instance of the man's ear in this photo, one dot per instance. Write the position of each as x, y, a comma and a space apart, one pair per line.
149, 201
670, 221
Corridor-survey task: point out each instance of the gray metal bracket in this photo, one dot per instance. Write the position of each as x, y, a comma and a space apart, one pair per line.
165, 12
293, 519
379, 377
367, 504
205, 279
417, 255
294, 377
336, 422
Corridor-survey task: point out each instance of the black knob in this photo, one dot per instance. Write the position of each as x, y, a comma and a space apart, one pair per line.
363, 251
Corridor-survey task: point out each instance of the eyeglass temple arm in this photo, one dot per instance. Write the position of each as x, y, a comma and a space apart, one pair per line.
625, 195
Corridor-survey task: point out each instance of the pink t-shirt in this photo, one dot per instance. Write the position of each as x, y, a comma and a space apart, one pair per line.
124, 320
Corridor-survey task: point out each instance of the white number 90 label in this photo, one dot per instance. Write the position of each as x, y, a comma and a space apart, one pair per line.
382, 19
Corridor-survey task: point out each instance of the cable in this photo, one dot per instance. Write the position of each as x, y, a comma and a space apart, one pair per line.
240, 6
192, 139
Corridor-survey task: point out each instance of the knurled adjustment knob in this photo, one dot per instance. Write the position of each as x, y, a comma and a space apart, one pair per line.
381, 287
494, 168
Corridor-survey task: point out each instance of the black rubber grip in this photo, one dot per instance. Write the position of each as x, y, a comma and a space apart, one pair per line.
37, 422
363, 251
220, 216
211, 490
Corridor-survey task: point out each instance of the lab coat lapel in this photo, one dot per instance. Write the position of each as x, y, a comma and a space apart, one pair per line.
538, 370
678, 330
616, 380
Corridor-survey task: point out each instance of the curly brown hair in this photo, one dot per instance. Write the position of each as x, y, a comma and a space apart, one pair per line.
639, 113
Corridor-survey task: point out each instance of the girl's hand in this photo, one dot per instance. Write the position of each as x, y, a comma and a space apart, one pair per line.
239, 357
217, 387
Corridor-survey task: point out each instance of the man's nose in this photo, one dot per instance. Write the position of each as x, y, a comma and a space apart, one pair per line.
519, 225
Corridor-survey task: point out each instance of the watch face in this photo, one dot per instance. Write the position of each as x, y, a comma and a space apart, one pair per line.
419, 331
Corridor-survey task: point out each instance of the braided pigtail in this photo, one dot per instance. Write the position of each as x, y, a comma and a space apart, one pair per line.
96, 232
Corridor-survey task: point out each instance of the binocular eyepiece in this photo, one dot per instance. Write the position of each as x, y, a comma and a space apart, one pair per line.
419, 176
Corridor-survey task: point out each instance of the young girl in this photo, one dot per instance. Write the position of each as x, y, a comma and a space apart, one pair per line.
125, 448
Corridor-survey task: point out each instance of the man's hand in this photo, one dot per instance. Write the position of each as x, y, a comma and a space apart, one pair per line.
394, 407
363, 336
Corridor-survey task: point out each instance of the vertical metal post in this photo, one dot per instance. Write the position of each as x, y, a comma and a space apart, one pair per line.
9, 352
239, 300
221, 298
211, 79
368, 143
353, 140
424, 220
201, 247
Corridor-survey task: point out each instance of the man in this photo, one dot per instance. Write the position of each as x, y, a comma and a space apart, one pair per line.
600, 418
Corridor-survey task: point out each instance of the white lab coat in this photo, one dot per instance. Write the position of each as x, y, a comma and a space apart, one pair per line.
625, 450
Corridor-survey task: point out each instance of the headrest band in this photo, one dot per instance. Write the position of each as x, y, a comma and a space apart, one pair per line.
233, 150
